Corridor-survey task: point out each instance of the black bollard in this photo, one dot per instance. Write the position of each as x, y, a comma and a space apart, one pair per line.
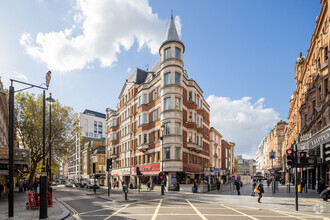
125, 196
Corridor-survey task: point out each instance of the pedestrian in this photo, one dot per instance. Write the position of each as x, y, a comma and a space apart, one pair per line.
260, 190
254, 184
218, 184
1, 190
148, 185
268, 182
238, 186
25, 185
302, 185
195, 186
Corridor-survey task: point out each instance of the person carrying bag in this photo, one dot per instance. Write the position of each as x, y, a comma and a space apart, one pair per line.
260, 190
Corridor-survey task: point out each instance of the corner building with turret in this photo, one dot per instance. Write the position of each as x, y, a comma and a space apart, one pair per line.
161, 123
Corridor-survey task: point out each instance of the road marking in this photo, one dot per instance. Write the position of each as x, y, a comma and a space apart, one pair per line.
157, 210
249, 216
117, 212
288, 215
75, 213
196, 210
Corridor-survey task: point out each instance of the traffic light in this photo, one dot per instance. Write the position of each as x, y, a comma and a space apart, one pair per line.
327, 152
289, 157
302, 157
109, 164
161, 176
138, 172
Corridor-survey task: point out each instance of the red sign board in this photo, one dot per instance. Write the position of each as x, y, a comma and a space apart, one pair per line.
193, 168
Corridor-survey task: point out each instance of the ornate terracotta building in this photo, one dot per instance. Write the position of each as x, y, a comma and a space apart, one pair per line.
309, 114
160, 102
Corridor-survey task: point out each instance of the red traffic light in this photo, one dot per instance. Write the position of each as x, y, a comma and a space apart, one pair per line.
302, 154
289, 151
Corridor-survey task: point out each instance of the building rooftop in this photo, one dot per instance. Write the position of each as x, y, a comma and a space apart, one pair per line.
94, 113
171, 33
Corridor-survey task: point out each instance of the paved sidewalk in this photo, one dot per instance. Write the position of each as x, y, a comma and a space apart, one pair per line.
57, 211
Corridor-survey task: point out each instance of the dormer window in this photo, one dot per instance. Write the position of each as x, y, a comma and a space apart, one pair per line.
167, 53
177, 53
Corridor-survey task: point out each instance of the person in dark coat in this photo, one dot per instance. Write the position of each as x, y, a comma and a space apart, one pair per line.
195, 186
302, 184
218, 185
238, 186
261, 191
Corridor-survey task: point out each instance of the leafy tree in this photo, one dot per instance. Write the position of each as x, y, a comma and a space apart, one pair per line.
28, 124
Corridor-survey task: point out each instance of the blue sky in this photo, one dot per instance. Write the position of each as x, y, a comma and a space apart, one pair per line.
234, 49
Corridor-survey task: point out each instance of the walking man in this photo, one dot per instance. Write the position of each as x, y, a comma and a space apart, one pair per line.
260, 191
238, 187
218, 184
195, 186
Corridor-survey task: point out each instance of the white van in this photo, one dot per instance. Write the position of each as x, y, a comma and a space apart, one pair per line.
90, 183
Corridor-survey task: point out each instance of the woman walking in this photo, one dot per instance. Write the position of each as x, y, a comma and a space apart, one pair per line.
259, 190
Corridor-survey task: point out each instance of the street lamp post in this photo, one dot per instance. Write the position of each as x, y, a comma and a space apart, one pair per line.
163, 128
50, 100
43, 213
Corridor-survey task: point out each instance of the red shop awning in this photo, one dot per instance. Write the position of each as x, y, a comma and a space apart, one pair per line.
150, 173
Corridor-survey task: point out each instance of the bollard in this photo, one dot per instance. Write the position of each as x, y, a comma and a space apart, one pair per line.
125, 196
288, 188
305, 188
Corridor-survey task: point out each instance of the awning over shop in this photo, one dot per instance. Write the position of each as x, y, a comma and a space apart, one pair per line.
150, 173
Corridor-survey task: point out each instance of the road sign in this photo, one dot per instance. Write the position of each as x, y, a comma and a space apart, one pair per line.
272, 171
272, 155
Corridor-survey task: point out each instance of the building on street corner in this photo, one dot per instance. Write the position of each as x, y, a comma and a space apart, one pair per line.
309, 115
161, 123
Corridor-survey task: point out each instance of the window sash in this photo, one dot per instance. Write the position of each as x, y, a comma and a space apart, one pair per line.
167, 153
167, 78
177, 53
177, 78
167, 53
167, 103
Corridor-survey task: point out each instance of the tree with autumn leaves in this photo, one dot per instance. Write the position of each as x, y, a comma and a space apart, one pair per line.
28, 125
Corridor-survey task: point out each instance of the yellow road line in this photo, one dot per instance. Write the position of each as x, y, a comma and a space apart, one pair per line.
157, 210
249, 216
196, 210
117, 212
75, 213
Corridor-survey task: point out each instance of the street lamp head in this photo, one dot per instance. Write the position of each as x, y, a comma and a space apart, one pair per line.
162, 127
48, 77
50, 100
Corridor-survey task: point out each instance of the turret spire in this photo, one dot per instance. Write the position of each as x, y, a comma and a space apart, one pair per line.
171, 33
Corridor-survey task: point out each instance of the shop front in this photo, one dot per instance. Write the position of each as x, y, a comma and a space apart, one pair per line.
150, 173
316, 174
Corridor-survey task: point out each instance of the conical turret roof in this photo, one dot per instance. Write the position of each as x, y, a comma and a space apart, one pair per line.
171, 33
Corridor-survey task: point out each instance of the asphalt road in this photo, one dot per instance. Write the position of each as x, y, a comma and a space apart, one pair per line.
83, 205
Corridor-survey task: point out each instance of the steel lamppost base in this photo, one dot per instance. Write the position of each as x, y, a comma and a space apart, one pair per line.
43, 198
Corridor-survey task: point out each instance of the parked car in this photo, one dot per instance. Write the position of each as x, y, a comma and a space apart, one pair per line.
68, 184
90, 184
54, 183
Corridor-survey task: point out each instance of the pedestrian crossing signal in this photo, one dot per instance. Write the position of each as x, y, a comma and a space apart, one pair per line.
302, 158
289, 157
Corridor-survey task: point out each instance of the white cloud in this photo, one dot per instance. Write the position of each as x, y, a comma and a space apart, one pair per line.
20, 76
242, 122
107, 27
178, 25
129, 70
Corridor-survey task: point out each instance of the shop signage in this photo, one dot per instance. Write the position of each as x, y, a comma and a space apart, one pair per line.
217, 170
319, 139
21, 156
305, 137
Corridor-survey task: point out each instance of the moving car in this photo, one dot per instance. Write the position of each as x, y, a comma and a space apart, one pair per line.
83, 182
